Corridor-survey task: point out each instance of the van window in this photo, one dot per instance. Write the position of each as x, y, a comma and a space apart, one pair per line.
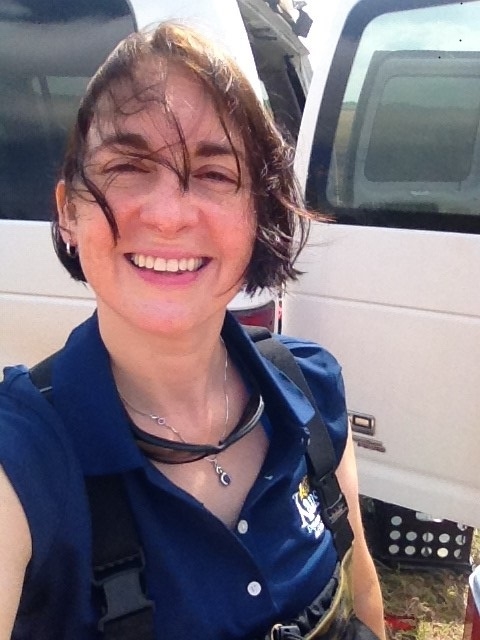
48, 51
398, 135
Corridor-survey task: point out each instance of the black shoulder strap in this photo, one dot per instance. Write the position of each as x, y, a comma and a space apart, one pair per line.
117, 556
118, 563
321, 459
41, 376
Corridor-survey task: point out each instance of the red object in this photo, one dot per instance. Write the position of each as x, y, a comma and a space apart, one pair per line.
263, 316
400, 623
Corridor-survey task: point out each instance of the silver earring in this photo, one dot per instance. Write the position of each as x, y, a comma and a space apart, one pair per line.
72, 251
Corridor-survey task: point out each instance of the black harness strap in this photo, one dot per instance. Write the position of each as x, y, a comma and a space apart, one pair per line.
117, 556
118, 562
321, 459
41, 376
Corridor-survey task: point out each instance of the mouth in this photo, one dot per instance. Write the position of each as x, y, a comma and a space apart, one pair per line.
170, 265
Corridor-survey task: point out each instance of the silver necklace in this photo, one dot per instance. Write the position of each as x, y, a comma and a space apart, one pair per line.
223, 477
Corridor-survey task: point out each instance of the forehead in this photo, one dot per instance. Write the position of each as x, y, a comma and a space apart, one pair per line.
167, 109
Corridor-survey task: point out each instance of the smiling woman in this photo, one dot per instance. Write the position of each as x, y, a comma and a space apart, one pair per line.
104, 129
177, 190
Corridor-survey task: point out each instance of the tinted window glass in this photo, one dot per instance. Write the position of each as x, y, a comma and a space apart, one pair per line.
424, 131
48, 51
401, 145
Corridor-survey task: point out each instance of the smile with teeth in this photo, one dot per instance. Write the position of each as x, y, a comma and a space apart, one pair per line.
172, 265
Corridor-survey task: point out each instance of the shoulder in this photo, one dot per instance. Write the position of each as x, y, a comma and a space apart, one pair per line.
314, 359
33, 456
23, 406
15, 553
323, 374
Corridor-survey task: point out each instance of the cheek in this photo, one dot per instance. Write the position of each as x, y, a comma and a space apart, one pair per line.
239, 235
250, 221
245, 221
252, 233
94, 235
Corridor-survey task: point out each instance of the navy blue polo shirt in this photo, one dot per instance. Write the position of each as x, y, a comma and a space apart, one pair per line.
206, 580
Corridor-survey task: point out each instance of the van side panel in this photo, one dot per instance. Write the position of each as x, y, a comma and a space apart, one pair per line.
389, 306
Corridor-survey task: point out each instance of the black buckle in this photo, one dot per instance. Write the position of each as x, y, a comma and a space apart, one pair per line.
334, 504
337, 510
122, 590
285, 632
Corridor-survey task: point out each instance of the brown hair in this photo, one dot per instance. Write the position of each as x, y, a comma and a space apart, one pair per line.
281, 219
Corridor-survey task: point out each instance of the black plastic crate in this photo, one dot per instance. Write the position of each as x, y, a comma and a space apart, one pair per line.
403, 538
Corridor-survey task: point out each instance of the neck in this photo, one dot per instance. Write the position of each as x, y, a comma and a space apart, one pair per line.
179, 376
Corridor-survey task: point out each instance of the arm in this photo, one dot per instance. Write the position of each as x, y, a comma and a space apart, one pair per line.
366, 588
15, 553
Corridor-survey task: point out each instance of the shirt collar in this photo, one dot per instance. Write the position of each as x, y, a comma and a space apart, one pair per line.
86, 397
276, 387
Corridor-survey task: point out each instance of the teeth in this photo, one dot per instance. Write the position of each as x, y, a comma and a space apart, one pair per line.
160, 264
138, 259
171, 265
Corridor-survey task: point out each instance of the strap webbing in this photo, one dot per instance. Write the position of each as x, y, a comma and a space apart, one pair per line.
118, 562
117, 556
41, 376
321, 459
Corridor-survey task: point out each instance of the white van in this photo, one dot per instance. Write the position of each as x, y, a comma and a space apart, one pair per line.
390, 148
48, 51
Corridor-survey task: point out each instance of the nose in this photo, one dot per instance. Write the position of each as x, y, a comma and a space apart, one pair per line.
167, 206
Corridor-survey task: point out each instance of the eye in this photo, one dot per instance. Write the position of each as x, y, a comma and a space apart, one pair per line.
123, 163
125, 167
212, 174
217, 176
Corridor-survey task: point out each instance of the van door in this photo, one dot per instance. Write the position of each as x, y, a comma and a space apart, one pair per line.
389, 148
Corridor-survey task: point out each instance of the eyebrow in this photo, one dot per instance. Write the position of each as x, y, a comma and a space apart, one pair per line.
130, 140
126, 139
211, 149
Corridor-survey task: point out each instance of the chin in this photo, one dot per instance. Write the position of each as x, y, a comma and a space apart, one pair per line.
174, 322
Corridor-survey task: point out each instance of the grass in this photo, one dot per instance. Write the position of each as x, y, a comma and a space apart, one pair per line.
431, 602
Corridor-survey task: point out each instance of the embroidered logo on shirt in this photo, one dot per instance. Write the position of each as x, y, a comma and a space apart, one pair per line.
308, 505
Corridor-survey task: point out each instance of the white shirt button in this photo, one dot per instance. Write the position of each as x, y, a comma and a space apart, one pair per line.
242, 526
254, 588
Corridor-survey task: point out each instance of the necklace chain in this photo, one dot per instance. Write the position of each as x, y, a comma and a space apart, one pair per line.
223, 477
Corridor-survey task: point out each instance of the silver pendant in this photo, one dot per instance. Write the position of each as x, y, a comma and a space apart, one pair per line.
223, 476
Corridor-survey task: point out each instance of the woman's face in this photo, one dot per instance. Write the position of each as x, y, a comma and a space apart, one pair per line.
181, 254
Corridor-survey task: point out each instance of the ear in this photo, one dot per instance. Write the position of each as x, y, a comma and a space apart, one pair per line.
66, 213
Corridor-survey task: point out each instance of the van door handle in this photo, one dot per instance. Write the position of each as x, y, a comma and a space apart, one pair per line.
362, 423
